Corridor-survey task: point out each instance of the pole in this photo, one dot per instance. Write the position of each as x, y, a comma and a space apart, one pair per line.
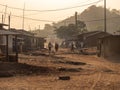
2, 18
23, 17
7, 56
9, 21
105, 27
16, 48
76, 19
5, 13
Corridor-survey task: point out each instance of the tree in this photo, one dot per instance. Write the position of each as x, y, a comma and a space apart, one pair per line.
81, 27
61, 31
66, 32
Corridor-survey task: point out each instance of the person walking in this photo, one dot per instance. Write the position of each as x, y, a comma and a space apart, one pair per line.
56, 47
50, 47
72, 47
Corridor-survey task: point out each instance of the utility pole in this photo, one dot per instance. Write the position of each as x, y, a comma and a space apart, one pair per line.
76, 23
5, 13
23, 17
2, 18
9, 21
105, 27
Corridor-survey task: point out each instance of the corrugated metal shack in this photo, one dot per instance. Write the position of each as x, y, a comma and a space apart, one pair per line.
29, 41
7, 39
110, 46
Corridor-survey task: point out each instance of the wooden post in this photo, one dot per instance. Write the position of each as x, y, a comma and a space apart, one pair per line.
9, 21
2, 18
7, 56
105, 25
5, 13
16, 48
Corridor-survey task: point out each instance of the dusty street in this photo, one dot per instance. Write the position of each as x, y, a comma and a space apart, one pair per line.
87, 72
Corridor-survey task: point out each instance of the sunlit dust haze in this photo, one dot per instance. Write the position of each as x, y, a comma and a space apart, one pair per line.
40, 12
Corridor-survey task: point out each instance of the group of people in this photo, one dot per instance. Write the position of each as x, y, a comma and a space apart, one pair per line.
77, 45
53, 47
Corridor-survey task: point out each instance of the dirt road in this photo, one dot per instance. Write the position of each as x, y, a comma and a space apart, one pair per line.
87, 72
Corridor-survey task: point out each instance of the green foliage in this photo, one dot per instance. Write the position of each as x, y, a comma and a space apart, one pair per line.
66, 32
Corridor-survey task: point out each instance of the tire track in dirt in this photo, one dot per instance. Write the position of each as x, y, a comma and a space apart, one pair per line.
96, 80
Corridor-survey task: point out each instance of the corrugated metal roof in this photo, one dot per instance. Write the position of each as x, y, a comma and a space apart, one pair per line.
108, 36
1, 24
6, 32
23, 32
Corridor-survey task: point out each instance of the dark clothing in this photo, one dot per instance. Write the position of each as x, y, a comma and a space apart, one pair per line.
56, 47
50, 47
72, 47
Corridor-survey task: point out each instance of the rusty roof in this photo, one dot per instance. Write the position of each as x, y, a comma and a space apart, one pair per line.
7, 32
2, 24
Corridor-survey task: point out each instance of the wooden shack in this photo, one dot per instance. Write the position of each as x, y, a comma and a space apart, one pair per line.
90, 39
110, 46
6, 44
29, 41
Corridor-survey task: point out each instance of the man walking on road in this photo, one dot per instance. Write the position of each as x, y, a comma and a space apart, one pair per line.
56, 47
50, 47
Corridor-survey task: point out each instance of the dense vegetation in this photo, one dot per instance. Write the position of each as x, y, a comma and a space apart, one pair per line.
66, 32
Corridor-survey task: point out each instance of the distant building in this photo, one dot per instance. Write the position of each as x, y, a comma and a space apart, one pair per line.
87, 39
13, 41
28, 41
90, 39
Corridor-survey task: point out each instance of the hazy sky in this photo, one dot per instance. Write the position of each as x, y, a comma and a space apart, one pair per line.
16, 22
